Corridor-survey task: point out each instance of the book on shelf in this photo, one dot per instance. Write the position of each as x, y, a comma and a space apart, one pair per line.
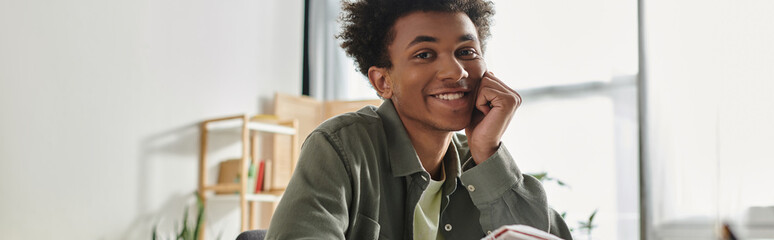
228, 173
267, 176
251, 175
259, 178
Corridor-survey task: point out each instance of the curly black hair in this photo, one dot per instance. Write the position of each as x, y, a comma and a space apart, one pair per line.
368, 25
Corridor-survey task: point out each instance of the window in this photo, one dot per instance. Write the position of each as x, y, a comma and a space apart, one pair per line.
709, 113
575, 65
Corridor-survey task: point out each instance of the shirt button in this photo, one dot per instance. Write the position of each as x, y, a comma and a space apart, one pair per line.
471, 188
488, 232
447, 227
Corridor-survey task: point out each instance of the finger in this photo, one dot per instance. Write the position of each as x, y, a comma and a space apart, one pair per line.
485, 96
498, 81
496, 96
488, 82
491, 82
482, 104
489, 98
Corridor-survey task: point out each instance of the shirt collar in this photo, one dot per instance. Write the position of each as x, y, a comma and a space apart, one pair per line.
403, 157
452, 166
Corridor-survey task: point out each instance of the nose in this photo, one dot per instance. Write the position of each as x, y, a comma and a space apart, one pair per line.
450, 69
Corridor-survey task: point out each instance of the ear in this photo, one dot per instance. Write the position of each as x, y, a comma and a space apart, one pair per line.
381, 81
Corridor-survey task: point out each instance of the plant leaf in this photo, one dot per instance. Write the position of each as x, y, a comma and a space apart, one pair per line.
560, 182
591, 218
541, 176
199, 216
183, 232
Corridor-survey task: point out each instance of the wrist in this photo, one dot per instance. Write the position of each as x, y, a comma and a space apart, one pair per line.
481, 154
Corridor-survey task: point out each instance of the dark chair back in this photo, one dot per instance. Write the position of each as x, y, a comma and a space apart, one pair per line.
252, 235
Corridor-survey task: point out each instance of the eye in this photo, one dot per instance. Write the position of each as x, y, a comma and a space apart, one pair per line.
467, 53
424, 55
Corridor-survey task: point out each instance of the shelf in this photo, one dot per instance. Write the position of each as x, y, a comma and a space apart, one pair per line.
236, 124
270, 196
249, 129
272, 128
224, 187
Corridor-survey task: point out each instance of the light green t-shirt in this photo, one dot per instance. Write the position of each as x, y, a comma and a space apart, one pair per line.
428, 211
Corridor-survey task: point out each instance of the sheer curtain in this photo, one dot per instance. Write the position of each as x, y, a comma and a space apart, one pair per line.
332, 74
709, 71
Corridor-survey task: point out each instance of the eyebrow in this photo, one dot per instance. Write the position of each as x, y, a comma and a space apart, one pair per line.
422, 38
467, 37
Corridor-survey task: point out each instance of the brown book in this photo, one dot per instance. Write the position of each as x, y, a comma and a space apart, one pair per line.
267, 175
228, 173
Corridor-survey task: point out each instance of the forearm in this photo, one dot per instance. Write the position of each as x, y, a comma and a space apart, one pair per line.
503, 195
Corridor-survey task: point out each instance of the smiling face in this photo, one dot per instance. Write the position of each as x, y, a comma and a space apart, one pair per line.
436, 68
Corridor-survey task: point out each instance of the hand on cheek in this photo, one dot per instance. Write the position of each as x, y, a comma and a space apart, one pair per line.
495, 105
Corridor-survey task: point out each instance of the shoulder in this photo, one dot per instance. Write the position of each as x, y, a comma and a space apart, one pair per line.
365, 117
350, 128
356, 140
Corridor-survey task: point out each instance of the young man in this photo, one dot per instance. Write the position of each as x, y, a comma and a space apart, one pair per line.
401, 171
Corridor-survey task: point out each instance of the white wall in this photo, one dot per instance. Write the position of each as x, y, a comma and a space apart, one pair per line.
710, 77
99, 101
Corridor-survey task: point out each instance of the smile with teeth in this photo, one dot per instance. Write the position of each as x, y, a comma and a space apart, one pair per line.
450, 96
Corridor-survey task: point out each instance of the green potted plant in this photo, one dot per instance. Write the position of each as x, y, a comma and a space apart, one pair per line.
186, 232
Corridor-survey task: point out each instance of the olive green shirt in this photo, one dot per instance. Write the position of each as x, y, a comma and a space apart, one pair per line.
358, 177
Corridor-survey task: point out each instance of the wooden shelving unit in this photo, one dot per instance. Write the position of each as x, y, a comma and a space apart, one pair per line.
249, 130
306, 113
